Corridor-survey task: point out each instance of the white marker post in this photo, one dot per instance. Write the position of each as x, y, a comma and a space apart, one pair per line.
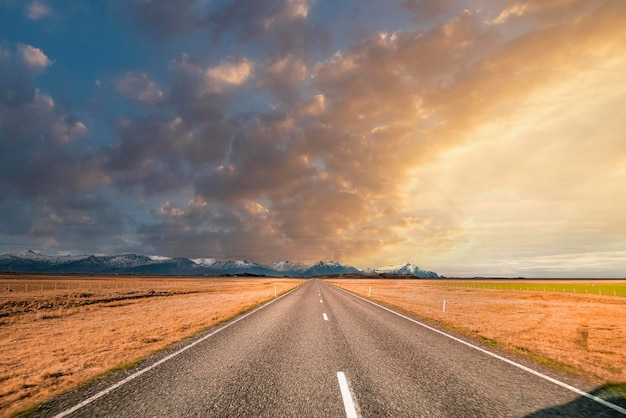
369, 292
444, 305
274, 290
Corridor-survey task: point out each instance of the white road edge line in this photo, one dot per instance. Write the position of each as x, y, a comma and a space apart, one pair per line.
504, 359
164, 359
325, 316
348, 403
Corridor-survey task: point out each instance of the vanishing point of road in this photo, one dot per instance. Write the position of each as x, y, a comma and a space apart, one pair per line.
319, 351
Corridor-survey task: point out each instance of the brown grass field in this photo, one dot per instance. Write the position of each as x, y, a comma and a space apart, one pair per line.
577, 333
59, 332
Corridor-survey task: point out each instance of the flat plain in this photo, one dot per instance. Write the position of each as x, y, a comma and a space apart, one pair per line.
57, 332
574, 326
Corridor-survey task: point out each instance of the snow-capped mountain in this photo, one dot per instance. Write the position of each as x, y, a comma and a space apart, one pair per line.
204, 261
239, 267
289, 266
406, 269
43, 258
34, 262
323, 268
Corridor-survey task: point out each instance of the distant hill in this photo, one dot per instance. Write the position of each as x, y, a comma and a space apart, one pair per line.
34, 262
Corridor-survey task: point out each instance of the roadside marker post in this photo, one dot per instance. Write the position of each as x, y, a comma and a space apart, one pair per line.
369, 292
444, 305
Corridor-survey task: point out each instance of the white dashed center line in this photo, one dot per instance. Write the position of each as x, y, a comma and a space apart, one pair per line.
348, 403
321, 301
325, 317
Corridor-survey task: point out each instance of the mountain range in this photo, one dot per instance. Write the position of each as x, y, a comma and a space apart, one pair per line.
35, 262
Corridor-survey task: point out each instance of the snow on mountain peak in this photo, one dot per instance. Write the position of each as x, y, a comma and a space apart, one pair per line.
289, 266
159, 258
204, 261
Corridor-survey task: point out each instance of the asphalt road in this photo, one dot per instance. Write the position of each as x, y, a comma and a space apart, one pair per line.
290, 358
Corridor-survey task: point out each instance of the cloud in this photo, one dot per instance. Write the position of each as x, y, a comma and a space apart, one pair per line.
150, 155
284, 76
163, 17
329, 176
538, 155
232, 72
291, 10
19, 68
432, 140
49, 185
37, 10
425, 10
34, 58
67, 129
279, 26
139, 87
552, 12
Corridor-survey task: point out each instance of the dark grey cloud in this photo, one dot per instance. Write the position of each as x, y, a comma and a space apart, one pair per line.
165, 17
39, 143
49, 181
139, 87
279, 26
20, 65
284, 77
198, 228
65, 221
428, 10
149, 156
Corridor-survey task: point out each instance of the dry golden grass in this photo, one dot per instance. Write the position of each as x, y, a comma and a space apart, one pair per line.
578, 333
54, 340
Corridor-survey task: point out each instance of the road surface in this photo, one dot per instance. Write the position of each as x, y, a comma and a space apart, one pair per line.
321, 352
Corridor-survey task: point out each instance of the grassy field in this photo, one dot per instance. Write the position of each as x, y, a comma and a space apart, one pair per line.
59, 332
575, 332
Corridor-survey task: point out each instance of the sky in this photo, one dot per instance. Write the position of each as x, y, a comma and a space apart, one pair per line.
472, 138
